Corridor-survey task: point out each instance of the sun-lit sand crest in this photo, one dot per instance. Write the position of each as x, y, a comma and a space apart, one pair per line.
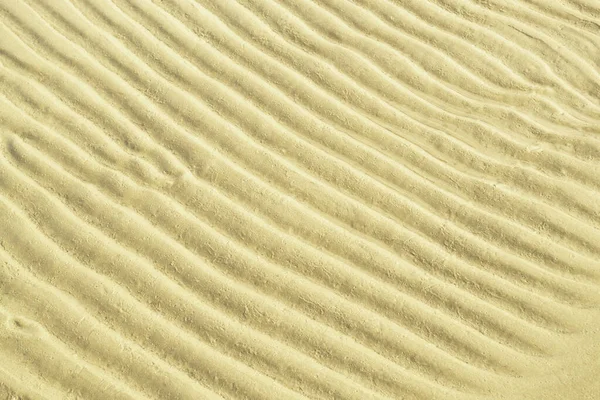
300, 199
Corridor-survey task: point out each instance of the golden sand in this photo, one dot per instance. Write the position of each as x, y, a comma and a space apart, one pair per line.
300, 199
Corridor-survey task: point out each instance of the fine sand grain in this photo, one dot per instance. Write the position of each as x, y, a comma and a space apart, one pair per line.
300, 199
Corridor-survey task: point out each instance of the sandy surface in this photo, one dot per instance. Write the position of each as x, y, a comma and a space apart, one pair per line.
300, 199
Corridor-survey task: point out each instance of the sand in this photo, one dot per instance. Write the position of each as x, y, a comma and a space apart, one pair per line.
300, 199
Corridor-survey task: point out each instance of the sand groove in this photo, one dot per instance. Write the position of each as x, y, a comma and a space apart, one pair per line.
273, 199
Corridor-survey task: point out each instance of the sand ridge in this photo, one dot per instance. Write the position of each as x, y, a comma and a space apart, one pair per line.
299, 199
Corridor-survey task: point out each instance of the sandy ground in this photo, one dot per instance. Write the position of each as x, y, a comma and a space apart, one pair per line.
300, 199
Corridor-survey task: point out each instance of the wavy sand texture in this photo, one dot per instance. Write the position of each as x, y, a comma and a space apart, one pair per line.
300, 199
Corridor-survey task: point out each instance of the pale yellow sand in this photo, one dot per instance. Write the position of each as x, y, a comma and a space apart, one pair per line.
300, 199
